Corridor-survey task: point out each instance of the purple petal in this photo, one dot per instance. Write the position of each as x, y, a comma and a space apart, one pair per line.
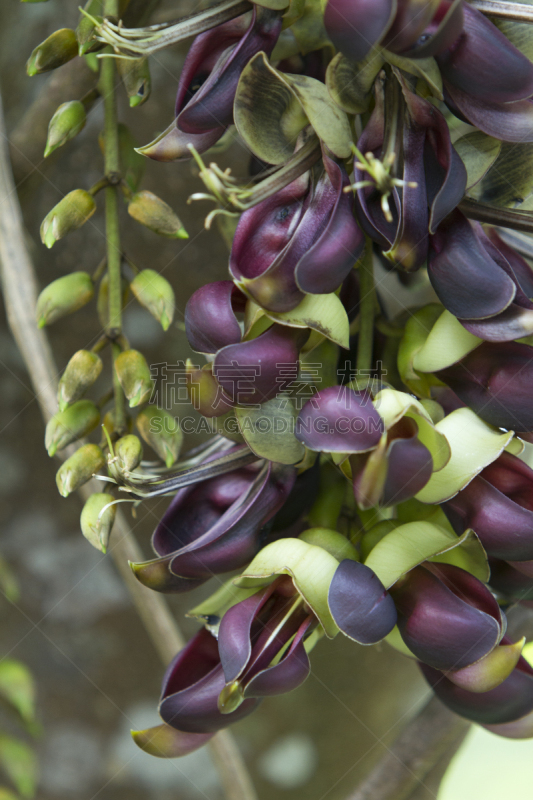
504, 527
509, 122
191, 687
355, 27
255, 371
410, 21
216, 66
289, 673
467, 280
511, 700
481, 51
441, 629
510, 581
360, 604
442, 32
339, 420
521, 270
234, 633
172, 144
409, 468
496, 381
514, 322
210, 321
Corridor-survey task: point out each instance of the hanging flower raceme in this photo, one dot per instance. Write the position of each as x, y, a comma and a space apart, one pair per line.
446, 616
481, 280
214, 527
244, 372
208, 82
408, 176
302, 240
405, 27
498, 505
498, 106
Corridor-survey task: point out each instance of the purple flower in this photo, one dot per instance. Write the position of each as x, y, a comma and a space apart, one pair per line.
214, 527
302, 240
498, 505
481, 280
446, 616
496, 381
208, 82
359, 603
398, 213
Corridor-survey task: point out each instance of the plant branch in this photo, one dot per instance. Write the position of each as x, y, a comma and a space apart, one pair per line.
493, 215
520, 12
20, 293
367, 301
427, 739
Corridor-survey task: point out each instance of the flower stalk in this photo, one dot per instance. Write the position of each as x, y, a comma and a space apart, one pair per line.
366, 313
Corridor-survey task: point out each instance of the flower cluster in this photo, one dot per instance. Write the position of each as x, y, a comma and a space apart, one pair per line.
389, 498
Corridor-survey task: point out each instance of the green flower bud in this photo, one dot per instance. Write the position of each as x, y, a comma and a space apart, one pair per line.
81, 372
134, 376
87, 43
108, 423
128, 456
156, 295
67, 122
63, 296
95, 525
161, 431
154, 213
135, 74
55, 51
71, 424
70, 213
79, 468
102, 301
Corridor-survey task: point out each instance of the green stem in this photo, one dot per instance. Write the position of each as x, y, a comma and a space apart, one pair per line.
114, 257
366, 313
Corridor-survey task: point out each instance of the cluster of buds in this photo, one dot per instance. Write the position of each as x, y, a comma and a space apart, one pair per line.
386, 500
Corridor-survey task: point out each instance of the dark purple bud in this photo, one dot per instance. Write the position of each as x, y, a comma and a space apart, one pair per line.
339, 420
214, 527
509, 701
409, 463
498, 505
484, 64
257, 370
513, 583
360, 604
210, 321
496, 381
446, 616
191, 686
303, 239
354, 28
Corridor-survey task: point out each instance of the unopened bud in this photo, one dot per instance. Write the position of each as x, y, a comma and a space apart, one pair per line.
135, 74
154, 213
128, 456
63, 296
96, 524
134, 376
156, 295
67, 122
161, 431
70, 213
81, 372
205, 393
71, 424
102, 301
79, 468
55, 51
87, 42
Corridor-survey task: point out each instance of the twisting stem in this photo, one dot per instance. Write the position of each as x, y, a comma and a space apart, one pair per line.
366, 312
114, 256
20, 294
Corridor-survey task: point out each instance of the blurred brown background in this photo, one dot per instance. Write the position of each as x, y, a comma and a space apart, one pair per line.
96, 671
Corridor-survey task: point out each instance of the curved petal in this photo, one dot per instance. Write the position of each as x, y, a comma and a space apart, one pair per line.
354, 28
437, 626
468, 282
510, 701
515, 322
409, 468
166, 742
443, 31
234, 633
339, 420
411, 19
496, 381
289, 673
259, 369
510, 582
483, 50
171, 145
509, 122
360, 604
210, 321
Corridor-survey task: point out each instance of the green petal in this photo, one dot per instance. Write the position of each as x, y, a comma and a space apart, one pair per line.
268, 430
447, 343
